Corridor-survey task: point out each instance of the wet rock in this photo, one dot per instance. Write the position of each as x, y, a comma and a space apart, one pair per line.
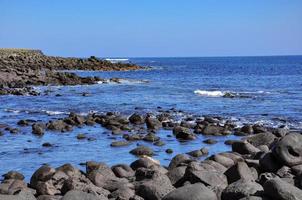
183, 133
23, 122
195, 191
81, 136
241, 189
120, 143
47, 144
169, 151
278, 189
136, 119
196, 153
151, 137
213, 130
247, 129
153, 123
289, 149
265, 138
133, 137
210, 141
142, 150
38, 128
58, 125
159, 143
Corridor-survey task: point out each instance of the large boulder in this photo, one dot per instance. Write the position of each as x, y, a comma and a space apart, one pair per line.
79, 195
176, 174
241, 189
155, 188
289, 149
99, 173
239, 171
23, 195
197, 174
122, 171
195, 191
244, 147
281, 190
265, 138
179, 159
43, 174
12, 186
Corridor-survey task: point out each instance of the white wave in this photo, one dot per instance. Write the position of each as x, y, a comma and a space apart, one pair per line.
12, 110
215, 93
117, 60
49, 112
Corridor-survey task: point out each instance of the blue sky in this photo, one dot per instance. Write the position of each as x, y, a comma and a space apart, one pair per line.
139, 28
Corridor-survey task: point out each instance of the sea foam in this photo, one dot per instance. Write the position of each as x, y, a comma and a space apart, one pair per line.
215, 93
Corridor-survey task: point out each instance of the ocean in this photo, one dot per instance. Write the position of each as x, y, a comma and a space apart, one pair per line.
265, 90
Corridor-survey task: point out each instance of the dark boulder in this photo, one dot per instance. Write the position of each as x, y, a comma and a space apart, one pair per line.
241, 189
122, 171
243, 147
269, 163
136, 119
281, 190
13, 175
239, 171
119, 143
38, 128
179, 159
289, 149
195, 191
153, 123
183, 133
210, 141
79, 195
265, 138
155, 188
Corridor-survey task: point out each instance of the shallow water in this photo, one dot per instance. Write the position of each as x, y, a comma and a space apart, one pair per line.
267, 90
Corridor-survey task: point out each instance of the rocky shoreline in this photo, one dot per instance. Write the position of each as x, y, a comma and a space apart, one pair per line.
266, 164
21, 68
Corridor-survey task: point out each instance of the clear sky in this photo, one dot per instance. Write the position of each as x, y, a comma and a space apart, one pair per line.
139, 28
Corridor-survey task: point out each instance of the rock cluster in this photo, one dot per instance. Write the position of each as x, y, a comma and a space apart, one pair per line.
20, 69
265, 164
224, 176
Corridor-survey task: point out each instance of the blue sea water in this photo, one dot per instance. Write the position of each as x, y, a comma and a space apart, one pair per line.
267, 90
